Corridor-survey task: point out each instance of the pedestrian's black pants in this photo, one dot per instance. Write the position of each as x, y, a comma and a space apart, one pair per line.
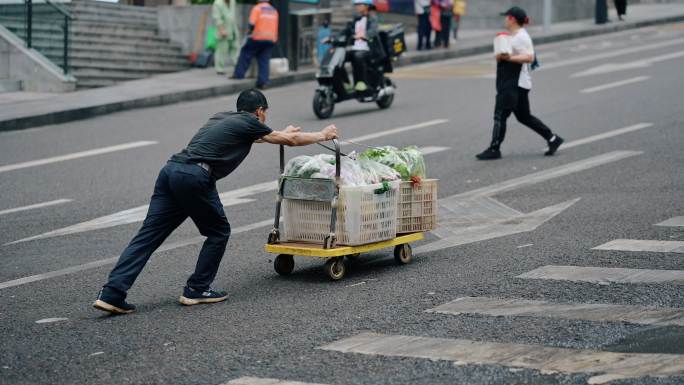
621, 7
181, 191
360, 61
424, 30
517, 102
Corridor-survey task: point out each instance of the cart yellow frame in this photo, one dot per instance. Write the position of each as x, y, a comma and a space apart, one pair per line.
335, 266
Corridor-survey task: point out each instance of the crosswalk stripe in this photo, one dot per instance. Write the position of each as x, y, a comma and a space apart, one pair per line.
643, 245
605, 275
672, 222
605, 366
578, 311
265, 381
35, 206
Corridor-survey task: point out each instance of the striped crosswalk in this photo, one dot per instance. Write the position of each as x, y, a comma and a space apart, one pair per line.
602, 366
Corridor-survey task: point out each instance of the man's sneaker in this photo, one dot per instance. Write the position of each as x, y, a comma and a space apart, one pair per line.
554, 143
196, 297
361, 87
489, 154
112, 305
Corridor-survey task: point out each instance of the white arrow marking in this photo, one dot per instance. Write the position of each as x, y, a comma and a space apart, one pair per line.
35, 206
615, 67
475, 216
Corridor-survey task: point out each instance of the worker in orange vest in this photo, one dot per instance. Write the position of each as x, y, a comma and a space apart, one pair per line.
261, 38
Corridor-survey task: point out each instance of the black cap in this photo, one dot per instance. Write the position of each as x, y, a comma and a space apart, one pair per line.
518, 14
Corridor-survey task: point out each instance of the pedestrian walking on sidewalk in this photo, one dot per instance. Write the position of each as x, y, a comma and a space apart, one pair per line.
513, 85
459, 11
262, 36
621, 8
422, 8
186, 187
227, 34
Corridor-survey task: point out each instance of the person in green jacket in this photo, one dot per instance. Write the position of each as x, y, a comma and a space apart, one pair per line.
227, 35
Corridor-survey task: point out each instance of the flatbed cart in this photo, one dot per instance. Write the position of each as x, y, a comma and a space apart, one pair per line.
324, 190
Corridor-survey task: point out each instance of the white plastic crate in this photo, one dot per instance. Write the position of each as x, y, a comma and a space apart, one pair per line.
362, 216
417, 206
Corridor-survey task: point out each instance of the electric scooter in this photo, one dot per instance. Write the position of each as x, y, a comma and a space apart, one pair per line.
334, 84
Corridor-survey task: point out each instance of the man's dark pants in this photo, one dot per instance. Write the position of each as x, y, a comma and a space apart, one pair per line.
262, 50
515, 101
424, 30
181, 191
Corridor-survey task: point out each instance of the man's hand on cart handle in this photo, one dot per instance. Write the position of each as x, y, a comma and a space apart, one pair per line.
292, 136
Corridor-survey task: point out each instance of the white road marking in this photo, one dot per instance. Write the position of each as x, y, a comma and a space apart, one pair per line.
397, 130
229, 198
265, 381
643, 245
615, 67
542, 176
76, 155
620, 83
607, 365
95, 354
575, 311
605, 55
524, 246
672, 222
111, 260
50, 320
35, 206
605, 135
433, 149
605, 275
137, 214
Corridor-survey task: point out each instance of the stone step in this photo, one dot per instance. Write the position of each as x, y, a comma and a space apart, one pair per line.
104, 56
126, 67
130, 52
116, 20
103, 41
78, 29
10, 85
122, 30
97, 5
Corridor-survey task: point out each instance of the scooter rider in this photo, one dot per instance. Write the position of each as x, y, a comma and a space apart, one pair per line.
364, 30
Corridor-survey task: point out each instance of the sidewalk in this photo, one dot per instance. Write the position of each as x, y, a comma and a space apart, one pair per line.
24, 110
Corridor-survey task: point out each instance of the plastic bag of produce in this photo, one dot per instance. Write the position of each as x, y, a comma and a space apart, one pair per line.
415, 161
305, 166
389, 156
376, 172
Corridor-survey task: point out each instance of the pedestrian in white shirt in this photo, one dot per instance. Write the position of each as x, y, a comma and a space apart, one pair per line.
513, 85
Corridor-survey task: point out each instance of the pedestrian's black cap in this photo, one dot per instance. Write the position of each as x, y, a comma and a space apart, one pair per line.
518, 14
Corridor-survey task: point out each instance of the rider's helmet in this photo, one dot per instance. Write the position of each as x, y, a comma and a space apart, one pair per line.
364, 2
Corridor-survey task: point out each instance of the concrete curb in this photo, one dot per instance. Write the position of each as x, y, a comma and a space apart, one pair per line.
227, 89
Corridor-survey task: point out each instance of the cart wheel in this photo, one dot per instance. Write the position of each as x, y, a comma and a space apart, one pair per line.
283, 264
403, 254
335, 268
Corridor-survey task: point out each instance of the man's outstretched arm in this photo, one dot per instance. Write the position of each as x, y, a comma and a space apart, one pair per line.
292, 136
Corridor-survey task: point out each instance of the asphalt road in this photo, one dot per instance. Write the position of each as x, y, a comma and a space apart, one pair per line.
272, 327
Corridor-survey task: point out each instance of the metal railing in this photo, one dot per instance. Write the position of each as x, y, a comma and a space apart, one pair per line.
43, 25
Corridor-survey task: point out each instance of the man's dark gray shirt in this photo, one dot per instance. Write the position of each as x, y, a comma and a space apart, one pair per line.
224, 142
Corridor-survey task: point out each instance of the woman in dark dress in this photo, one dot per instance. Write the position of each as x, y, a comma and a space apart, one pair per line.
621, 7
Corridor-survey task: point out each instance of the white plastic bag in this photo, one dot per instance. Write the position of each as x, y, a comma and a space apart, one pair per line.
502, 44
